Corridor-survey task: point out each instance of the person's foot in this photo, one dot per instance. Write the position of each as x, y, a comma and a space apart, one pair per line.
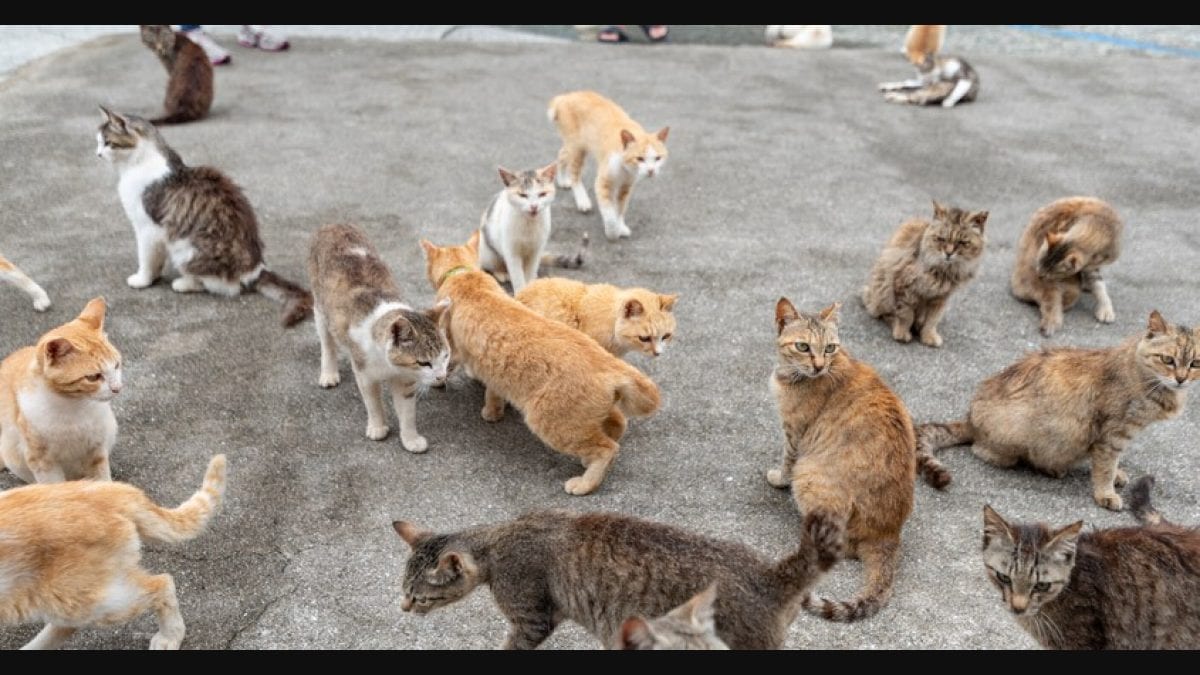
216, 53
263, 38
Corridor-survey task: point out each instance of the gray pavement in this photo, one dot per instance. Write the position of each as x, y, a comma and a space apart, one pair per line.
787, 173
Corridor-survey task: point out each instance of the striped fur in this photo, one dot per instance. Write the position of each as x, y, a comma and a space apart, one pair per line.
568, 261
1139, 501
933, 437
880, 560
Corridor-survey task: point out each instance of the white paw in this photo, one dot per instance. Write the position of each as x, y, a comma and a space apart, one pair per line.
329, 380
160, 641
186, 285
41, 303
579, 486
623, 230
1105, 314
563, 180
377, 432
931, 340
138, 280
947, 103
418, 444
894, 97
776, 478
583, 204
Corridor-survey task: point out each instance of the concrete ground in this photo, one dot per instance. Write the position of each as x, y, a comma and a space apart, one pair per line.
787, 173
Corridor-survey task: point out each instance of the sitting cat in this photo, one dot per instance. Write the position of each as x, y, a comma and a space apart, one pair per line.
69, 555
940, 79
922, 264
56, 418
11, 274
358, 306
620, 319
593, 125
194, 215
691, 625
1112, 588
189, 72
1060, 254
574, 395
1057, 407
598, 569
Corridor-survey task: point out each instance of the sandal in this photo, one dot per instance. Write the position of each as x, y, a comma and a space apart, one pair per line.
666, 30
611, 34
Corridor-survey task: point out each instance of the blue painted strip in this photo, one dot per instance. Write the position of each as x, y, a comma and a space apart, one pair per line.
1109, 39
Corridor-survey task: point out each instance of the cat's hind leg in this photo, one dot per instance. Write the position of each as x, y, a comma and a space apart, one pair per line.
10, 273
493, 406
960, 90
902, 84
50, 637
223, 287
329, 376
1050, 304
187, 283
372, 397
995, 455
404, 400
1093, 282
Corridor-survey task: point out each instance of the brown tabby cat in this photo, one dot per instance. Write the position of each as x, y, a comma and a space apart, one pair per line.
574, 395
850, 454
1057, 407
69, 555
56, 418
1060, 255
620, 319
189, 71
922, 264
691, 625
12, 274
1116, 588
598, 569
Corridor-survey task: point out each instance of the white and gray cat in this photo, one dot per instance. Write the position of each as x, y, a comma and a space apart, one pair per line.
947, 80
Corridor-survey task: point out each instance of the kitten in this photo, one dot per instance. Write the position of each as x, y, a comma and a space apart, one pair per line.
921, 265
620, 319
1060, 254
850, 451
190, 74
359, 306
691, 625
11, 274
69, 555
1114, 588
940, 79
574, 395
56, 418
1057, 407
593, 125
597, 569
194, 215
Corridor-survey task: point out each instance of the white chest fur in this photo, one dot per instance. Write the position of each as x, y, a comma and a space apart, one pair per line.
518, 232
73, 430
140, 174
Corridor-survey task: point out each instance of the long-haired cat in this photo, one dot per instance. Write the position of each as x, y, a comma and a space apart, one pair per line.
70, 552
850, 453
590, 124
575, 396
921, 265
189, 74
56, 418
195, 216
1057, 407
691, 625
1113, 588
359, 307
620, 319
940, 79
516, 228
1060, 254
10, 273
598, 569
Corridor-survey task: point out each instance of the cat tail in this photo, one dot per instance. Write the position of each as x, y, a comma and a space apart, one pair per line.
880, 561
567, 260
174, 118
552, 110
1139, 501
184, 522
820, 548
297, 302
635, 394
934, 436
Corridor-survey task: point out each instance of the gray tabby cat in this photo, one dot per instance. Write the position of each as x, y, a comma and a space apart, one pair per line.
598, 569
1116, 588
195, 216
688, 626
941, 79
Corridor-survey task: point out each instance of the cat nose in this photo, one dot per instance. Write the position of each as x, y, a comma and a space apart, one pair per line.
116, 388
533, 210
406, 603
1020, 603
1181, 378
651, 173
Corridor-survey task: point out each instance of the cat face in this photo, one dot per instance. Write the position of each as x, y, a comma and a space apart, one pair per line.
1059, 258
644, 155
160, 38
416, 342
441, 260
646, 322
437, 573
1170, 352
529, 192
1029, 564
808, 344
689, 626
954, 236
77, 360
121, 136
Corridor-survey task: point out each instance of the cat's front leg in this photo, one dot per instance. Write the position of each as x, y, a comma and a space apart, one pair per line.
152, 255
934, 309
902, 323
1105, 456
1050, 305
493, 406
528, 633
608, 208
516, 273
404, 398
623, 194
782, 477
46, 471
372, 396
902, 84
329, 376
100, 468
1094, 283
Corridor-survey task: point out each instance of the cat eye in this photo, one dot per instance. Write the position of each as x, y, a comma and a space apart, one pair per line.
1169, 360
668, 337
94, 377
523, 195
645, 338
829, 349
424, 364
803, 347
1041, 587
641, 159
1003, 578
543, 194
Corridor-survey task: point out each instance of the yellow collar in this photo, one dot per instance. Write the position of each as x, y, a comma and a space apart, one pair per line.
452, 271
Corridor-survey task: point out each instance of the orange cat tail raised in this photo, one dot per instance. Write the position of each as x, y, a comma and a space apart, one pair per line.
637, 395
188, 519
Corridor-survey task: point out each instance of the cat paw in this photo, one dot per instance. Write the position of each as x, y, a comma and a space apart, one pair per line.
931, 339
490, 415
1049, 328
583, 206
947, 103
776, 478
579, 486
894, 97
563, 180
1105, 314
901, 335
160, 641
329, 380
1111, 501
1120, 478
824, 534
187, 285
41, 303
415, 445
139, 280
623, 230
377, 432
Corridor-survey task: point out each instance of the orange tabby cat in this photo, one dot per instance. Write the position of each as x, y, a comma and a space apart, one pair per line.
620, 319
56, 423
574, 395
69, 555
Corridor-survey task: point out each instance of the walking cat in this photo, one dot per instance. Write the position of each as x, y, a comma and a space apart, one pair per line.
189, 73
620, 319
691, 625
940, 79
10, 273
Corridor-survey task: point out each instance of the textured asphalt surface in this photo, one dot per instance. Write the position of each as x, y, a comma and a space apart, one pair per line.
787, 173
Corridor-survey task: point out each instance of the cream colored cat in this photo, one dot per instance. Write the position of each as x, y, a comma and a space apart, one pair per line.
620, 319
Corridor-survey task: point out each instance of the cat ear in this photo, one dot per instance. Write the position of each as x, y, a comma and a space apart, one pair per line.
435, 313
1053, 239
548, 173
428, 247
699, 610
1062, 542
633, 308
408, 532
977, 220
93, 314
457, 563
507, 177
56, 349
1157, 325
994, 526
473, 242
662, 134
114, 118
401, 331
635, 634
785, 313
939, 211
626, 138
830, 313
667, 302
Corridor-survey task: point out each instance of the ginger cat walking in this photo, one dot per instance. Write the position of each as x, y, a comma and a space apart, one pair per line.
620, 319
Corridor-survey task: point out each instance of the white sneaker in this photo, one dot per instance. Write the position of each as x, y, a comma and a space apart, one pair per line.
263, 38
216, 53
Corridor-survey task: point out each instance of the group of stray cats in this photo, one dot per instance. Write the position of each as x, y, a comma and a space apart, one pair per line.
69, 548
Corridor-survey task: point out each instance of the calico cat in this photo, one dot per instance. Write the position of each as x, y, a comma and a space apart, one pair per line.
516, 228
574, 395
940, 79
593, 125
921, 265
1114, 588
620, 319
69, 555
1057, 407
195, 216
359, 306
850, 453
189, 71
691, 625
56, 418
598, 569
1060, 254
11, 274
